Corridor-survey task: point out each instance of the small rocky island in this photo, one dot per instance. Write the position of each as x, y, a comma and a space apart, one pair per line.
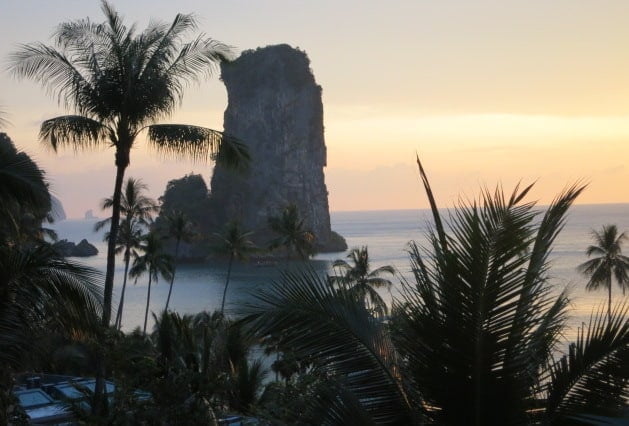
69, 249
275, 108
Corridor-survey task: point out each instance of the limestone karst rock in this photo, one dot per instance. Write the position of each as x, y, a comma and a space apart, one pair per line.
69, 249
56, 209
275, 108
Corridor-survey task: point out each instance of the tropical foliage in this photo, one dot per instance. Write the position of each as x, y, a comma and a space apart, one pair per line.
235, 243
24, 197
41, 293
138, 210
361, 280
292, 235
196, 367
120, 82
154, 262
608, 262
472, 338
178, 227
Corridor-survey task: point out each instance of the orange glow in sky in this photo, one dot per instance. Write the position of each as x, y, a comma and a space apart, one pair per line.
485, 92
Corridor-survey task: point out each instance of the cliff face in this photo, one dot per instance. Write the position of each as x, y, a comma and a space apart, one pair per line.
275, 108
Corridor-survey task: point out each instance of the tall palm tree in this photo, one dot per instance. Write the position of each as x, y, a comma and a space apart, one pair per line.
179, 227
234, 242
361, 280
129, 242
134, 205
138, 210
292, 233
609, 262
120, 82
471, 339
154, 262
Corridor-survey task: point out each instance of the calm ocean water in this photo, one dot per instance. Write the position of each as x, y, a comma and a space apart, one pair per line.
386, 233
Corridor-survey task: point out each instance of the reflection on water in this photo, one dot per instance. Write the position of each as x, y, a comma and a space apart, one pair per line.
200, 287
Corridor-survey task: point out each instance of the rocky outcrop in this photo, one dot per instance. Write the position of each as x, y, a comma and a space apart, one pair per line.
56, 209
275, 108
69, 249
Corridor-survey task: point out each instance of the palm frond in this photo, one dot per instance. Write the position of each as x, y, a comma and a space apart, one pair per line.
199, 144
329, 326
75, 131
593, 377
22, 182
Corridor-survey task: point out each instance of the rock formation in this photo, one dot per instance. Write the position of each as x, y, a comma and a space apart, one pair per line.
275, 108
56, 209
69, 249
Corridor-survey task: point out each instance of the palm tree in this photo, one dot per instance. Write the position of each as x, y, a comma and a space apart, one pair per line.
471, 339
235, 243
120, 82
134, 205
292, 235
154, 262
179, 227
129, 242
609, 262
138, 211
362, 281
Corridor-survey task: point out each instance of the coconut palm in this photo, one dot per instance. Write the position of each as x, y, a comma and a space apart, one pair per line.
470, 340
120, 82
179, 227
138, 210
130, 237
235, 243
361, 280
134, 205
292, 233
609, 262
154, 262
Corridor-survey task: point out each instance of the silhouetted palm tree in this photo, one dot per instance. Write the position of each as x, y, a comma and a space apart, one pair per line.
179, 227
134, 205
154, 262
609, 262
138, 210
292, 234
120, 82
361, 280
235, 243
130, 237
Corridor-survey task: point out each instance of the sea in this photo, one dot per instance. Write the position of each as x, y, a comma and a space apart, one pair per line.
386, 233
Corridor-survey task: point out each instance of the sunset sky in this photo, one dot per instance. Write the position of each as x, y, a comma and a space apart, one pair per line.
485, 92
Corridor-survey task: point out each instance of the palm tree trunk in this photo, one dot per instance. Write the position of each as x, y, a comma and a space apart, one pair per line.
229, 271
172, 279
127, 257
148, 301
122, 161
609, 300
111, 244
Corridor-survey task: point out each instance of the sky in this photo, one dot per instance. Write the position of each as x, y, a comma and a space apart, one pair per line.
485, 92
